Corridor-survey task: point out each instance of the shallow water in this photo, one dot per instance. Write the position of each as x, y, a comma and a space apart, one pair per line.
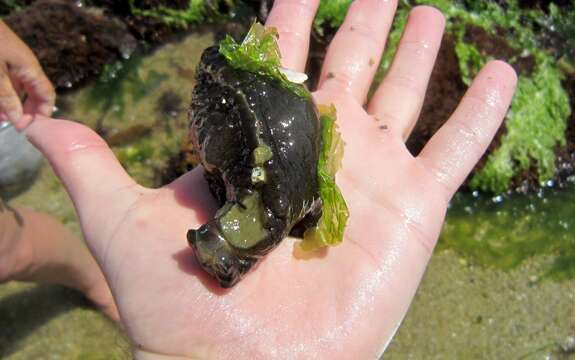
500, 285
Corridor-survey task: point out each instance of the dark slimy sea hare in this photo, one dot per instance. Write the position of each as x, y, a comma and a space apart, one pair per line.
260, 144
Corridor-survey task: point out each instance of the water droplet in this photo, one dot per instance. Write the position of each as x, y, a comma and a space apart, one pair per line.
497, 199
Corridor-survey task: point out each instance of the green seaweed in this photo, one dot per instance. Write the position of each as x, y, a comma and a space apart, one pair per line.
259, 53
330, 13
470, 60
196, 12
536, 122
330, 228
536, 125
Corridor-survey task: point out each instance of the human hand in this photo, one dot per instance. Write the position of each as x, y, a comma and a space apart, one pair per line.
20, 73
346, 304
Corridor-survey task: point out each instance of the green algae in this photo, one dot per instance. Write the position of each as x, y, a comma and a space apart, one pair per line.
505, 251
196, 12
330, 228
536, 126
330, 14
505, 232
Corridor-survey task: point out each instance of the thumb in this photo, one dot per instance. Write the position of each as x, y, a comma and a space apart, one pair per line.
93, 177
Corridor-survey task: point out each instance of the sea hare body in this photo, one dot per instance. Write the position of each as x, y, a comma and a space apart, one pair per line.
259, 144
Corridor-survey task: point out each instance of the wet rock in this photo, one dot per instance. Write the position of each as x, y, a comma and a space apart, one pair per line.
498, 48
71, 43
169, 104
19, 162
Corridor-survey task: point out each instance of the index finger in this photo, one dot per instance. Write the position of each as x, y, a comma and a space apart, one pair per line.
41, 94
22, 65
10, 106
293, 20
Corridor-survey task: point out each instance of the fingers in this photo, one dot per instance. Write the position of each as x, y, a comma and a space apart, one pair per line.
399, 98
41, 94
19, 69
455, 149
10, 106
83, 161
354, 54
293, 20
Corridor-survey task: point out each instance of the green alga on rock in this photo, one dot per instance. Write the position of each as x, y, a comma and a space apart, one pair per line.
537, 119
330, 13
195, 13
536, 125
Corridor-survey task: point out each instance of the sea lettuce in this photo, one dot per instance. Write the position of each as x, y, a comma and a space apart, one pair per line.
330, 228
259, 53
197, 12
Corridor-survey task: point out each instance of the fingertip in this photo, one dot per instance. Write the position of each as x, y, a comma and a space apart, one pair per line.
15, 117
430, 14
503, 71
495, 85
24, 122
46, 109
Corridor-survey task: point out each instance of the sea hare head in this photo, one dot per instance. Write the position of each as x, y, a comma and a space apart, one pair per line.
216, 256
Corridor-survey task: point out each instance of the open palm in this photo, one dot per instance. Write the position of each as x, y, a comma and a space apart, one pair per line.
344, 303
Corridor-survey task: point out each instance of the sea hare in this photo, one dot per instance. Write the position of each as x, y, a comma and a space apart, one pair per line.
259, 144
270, 157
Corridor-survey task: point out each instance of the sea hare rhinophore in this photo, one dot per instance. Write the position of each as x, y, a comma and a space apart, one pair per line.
269, 155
